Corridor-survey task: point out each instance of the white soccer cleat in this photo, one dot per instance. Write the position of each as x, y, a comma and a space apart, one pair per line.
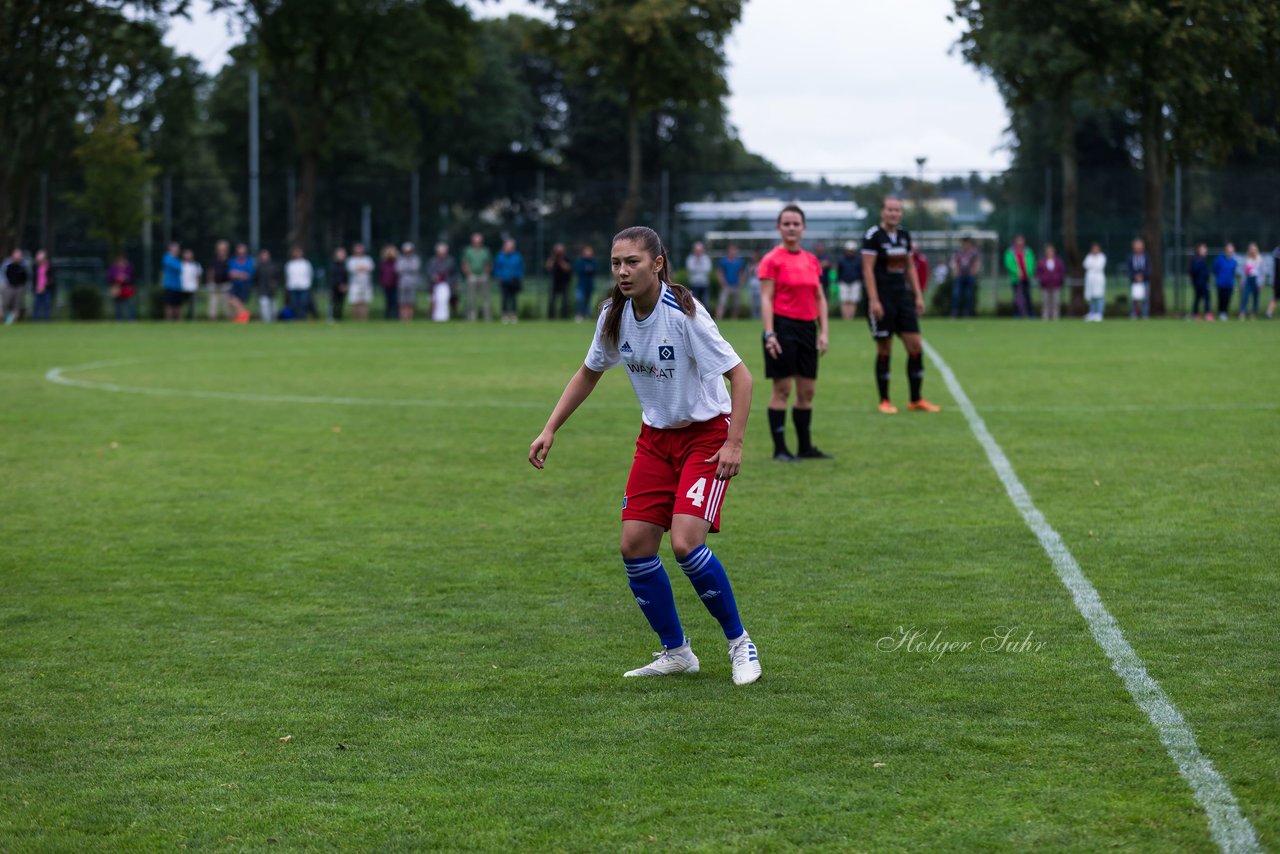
669, 662
745, 660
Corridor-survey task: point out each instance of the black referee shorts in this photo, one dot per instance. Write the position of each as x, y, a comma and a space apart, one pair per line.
900, 315
799, 357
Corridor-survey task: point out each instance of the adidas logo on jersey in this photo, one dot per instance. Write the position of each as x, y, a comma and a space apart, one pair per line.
640, 601
710, 594
625, 348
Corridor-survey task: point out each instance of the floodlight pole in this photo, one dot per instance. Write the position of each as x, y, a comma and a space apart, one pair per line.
46, 236
920, 161
255, 236
1046, 227
168, 209
540, 188
1177, 238
442, 167
415, 210
291, 203
664, 205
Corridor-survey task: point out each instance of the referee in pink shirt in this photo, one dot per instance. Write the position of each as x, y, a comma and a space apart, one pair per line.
793, 307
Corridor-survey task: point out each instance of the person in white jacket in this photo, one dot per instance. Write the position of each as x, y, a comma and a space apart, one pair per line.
299, 275
191, 273
1095, 282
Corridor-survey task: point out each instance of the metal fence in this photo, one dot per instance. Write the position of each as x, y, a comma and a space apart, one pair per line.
541, 208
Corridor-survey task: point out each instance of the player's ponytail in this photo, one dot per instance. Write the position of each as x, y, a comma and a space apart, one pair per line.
613, 306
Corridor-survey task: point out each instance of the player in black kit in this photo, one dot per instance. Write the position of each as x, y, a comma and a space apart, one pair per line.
894, 302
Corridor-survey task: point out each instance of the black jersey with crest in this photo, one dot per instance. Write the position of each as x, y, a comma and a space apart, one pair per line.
892, 253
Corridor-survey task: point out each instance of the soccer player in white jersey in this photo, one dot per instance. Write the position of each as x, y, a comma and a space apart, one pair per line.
690, 443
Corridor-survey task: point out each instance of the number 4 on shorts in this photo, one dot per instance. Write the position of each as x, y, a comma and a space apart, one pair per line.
697, 492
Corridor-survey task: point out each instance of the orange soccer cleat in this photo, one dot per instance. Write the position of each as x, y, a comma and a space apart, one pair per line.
888, 408
923, 405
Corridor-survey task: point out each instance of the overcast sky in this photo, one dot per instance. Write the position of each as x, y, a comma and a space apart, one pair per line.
838, 87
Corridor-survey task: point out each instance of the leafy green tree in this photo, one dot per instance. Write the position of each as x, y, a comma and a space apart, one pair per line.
1041, 55
512, 121
339, 66
653, 54
1191, 73
117, 174
62, 59
1186, 68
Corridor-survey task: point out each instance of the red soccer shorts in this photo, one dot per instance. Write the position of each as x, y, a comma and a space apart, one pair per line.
670, 474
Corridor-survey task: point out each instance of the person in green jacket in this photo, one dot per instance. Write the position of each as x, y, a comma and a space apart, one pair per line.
1020, 261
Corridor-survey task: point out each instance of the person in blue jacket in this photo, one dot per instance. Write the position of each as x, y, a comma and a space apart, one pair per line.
508, 269
1224, 276
174, 296
585, 269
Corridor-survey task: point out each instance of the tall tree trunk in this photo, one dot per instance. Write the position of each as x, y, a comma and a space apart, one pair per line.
15, 196
631, 204
7, 238
304, 202
1070, 212
21, 207
1154, 157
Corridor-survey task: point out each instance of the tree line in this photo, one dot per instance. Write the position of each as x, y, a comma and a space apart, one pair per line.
612, 91
1104, 86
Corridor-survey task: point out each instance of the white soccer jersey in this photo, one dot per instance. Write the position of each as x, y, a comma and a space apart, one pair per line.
676, 363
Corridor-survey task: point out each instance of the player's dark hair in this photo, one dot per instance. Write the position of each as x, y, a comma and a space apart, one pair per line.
616, 302
792, 209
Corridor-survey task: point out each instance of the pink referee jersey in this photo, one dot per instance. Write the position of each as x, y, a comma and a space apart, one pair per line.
796, 277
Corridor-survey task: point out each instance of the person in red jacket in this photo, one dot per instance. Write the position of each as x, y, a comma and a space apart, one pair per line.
1050, 273
922, 268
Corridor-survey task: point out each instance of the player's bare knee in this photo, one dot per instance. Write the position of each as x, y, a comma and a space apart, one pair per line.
632, 549
639, 540
633, 546
684, 542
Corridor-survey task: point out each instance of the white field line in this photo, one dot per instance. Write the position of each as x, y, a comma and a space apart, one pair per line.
1227, 825
59, 375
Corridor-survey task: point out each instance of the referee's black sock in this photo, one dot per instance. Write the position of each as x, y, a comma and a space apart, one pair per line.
915, 374
778, 427
882, 376
803, 418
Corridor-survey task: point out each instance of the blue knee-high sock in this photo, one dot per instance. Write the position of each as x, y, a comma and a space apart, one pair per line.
708, 578
652, 590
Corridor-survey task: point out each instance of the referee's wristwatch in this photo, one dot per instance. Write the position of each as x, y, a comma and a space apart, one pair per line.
768, 335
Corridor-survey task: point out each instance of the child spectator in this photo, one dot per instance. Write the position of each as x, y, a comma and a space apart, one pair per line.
1095, 283
1251, 272
1139, 281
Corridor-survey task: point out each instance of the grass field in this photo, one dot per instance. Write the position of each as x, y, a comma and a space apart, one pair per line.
297, 587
